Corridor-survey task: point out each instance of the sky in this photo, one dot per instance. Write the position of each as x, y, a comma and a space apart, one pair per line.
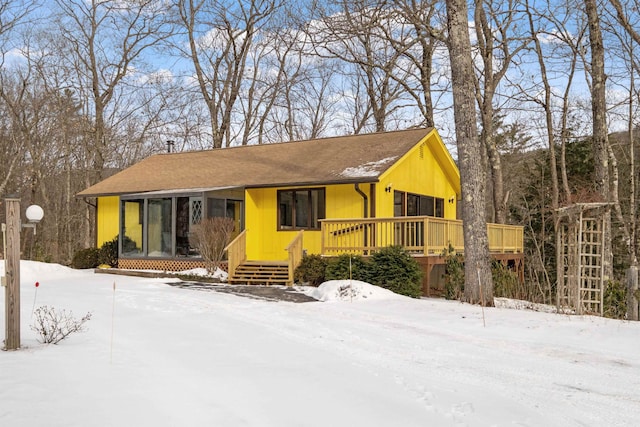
160, 355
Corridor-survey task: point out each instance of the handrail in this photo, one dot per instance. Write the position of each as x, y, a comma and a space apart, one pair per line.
348, 229
296, 252
236, 252
420, 235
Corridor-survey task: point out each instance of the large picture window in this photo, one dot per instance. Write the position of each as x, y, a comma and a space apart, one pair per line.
301, 209
408, 204
162, 227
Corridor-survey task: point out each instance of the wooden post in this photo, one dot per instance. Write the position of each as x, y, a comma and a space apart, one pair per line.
12, 273
632, 292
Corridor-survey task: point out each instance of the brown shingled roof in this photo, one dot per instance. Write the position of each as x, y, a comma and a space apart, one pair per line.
355, 158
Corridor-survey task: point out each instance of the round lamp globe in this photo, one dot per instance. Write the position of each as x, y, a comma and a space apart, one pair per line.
34, 213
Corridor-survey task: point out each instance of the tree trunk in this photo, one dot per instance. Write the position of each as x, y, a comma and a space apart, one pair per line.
478, 281
599, 111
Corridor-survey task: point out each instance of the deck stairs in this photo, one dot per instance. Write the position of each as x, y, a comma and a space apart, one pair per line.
261, 273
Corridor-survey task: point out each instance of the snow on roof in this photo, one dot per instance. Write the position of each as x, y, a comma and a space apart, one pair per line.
369, 169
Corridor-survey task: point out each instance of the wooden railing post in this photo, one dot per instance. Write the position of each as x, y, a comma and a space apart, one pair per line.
296, 252
425, 236
236, 252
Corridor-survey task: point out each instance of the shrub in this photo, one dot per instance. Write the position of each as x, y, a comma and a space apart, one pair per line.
347, 266
86, 258
393, 268
109, 253
615, 300
53, 326
454, 274
211, 236
311, 270
505, 282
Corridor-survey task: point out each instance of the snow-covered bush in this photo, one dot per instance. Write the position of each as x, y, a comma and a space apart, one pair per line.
53, 326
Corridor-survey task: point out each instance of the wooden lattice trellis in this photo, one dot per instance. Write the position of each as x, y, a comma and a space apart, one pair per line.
582, 258
163, 264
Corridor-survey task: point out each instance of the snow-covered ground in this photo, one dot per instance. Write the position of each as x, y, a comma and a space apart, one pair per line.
157, 355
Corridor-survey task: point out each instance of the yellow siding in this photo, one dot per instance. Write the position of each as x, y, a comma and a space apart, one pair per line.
427, 170
107, 222
265, 242
420, 171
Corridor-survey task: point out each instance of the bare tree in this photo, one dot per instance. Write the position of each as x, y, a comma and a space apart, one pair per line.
498, 43
357, 33
100, 43
600, 142
624, 20
633, 66
104, 39
296, 89
220, 36
478, 280
12, 14
420, 49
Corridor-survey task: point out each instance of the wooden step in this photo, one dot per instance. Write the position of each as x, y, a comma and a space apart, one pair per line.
261, 272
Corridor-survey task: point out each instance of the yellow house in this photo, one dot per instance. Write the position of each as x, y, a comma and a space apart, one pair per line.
323, 196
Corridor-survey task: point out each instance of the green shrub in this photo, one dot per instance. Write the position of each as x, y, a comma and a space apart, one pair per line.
454, 274
505, 281
311, 270
393, 268
86, 258
347, 266
109, 253
615, 300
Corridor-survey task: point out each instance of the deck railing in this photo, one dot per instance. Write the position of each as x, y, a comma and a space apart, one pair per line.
420, 235
296, 252
236, 252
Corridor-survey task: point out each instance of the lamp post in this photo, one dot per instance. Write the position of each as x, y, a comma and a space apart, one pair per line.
11, 281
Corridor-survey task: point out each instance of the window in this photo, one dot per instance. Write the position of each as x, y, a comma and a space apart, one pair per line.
226, 208
398, 203
188, 214
162, 226
408, 204
132, 216
159, 222
301, 209
413, 205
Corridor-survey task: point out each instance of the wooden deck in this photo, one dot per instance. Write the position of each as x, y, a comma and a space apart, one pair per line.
420, 235
426, 238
